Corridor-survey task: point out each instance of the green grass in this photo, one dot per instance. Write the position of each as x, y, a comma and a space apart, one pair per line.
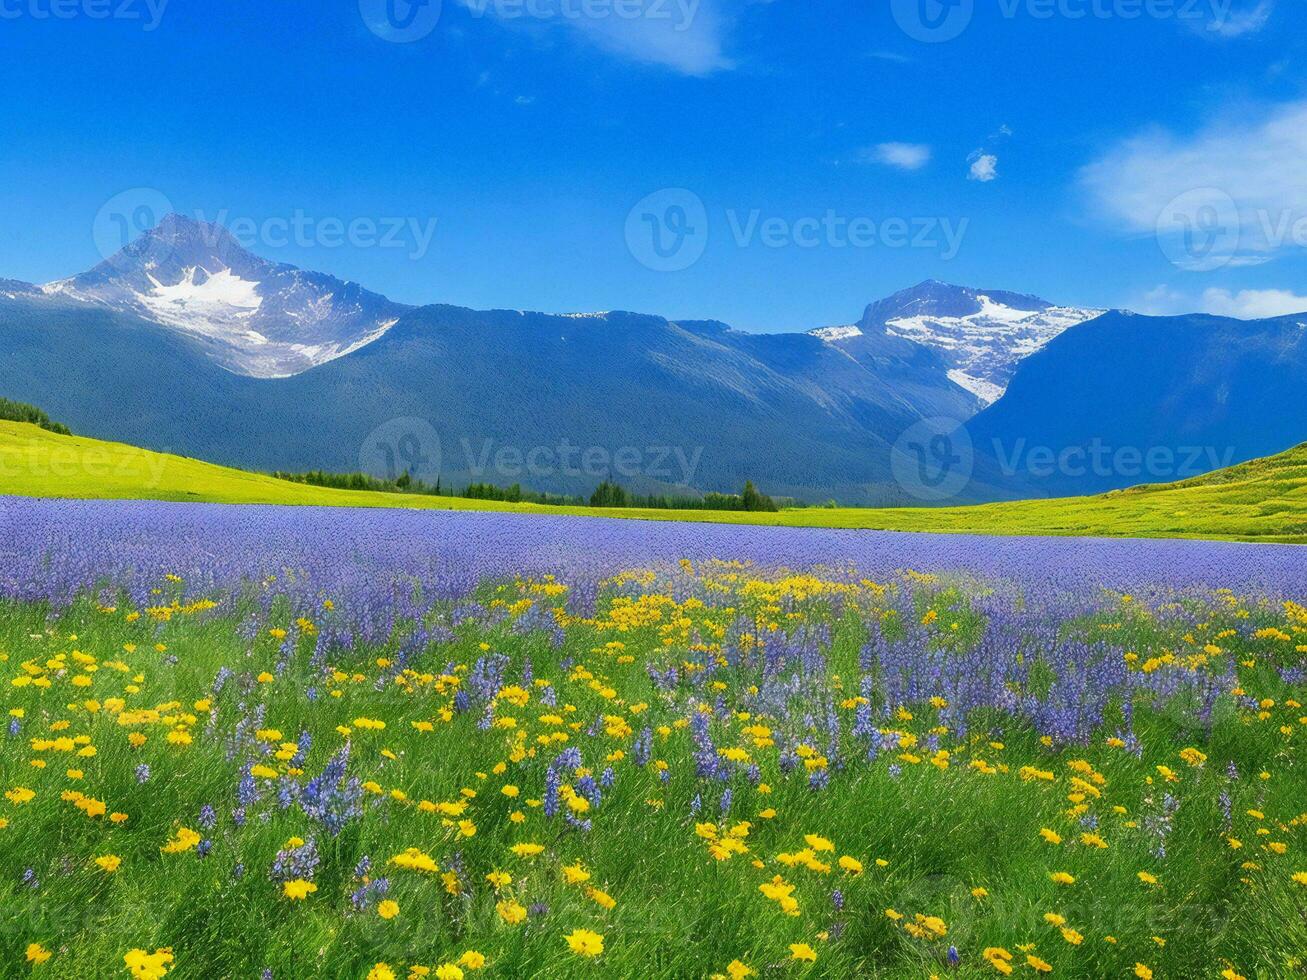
943, 827
1264, 500
37, 463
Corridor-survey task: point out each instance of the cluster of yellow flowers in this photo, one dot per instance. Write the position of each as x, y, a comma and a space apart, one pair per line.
424, 765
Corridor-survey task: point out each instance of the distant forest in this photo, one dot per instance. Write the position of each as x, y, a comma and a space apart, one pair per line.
19, 412
607, 494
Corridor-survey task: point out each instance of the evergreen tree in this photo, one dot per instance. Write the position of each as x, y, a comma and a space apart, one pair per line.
752, 500
609, 494
20, 412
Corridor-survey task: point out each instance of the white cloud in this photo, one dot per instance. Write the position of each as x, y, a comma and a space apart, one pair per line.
1236, 21
1253, 304
984, 159
1163, 301
1243, 178
984, 167
687, 36
1245, 304
904, 156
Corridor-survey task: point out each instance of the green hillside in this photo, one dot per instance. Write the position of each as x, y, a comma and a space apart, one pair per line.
38, 463
1263, 500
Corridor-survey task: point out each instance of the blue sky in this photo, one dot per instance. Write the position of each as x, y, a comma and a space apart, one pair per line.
796, 159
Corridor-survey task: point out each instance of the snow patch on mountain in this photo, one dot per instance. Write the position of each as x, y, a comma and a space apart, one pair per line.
986, 391
833, 334
218, 305
983, 348
321, 353
253, 316
268, 320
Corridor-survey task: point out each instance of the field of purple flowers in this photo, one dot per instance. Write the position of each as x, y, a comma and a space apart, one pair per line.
289, 742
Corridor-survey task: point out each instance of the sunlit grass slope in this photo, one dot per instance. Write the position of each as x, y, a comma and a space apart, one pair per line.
37, 463
1263, 500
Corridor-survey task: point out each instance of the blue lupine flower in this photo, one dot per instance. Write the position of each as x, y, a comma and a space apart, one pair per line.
330, 798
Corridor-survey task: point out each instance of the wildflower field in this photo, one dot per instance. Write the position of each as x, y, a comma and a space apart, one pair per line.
1264, 500
270, 742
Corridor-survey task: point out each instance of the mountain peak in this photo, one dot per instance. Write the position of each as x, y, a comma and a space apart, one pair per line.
932, 297
183, 229
254, 316
981, 334
175, 222
177, 243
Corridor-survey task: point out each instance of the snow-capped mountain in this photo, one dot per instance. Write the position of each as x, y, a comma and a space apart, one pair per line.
187, 311
833, 334
269, 320
12, 288
982, 334
255, 317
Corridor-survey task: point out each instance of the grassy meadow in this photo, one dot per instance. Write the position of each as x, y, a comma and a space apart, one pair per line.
696, 772
1264, 500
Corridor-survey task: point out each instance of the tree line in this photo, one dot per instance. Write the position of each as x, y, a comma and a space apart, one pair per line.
607, 494
11, 411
